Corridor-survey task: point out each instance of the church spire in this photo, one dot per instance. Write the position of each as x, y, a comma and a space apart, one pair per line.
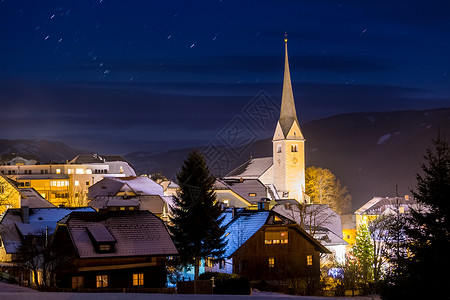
288, 114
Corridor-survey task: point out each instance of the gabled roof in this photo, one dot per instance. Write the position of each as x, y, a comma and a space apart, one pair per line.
246, 223
95, 158
41, 220
137, 233
377, 205
242, 227
152, 203
141, 185
251, 169
252, 190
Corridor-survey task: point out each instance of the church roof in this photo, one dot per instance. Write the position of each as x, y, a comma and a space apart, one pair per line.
251, 169
288, 114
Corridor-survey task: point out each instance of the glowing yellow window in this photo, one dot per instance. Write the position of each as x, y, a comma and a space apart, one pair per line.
271, 262
276, 237
58, 171
309, 260
138, 279
102, 280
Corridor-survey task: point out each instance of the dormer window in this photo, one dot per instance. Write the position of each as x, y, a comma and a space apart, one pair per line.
104, 247
101, 238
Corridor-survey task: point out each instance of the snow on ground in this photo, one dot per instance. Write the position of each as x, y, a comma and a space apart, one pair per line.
14, 292
13, 288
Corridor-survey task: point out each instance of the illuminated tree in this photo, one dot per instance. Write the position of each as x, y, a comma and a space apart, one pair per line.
322, 186
362, 251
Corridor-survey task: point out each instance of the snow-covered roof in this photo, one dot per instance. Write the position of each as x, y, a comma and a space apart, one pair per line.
377, 205
329, 238
141, 185
32, 199
251, 169
242, 227
137, 233
242, 224
251, 190
41, 220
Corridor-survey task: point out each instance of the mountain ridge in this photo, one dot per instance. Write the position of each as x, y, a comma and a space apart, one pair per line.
369, 152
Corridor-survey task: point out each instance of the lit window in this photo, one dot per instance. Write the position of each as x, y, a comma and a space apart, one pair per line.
138, 279
276, 237
226, 202
309, 260
88, 171
79, 171
401, 209
271, 262
122, 208
104, 247
77, 282
70, 171
58, 171
77, 183
102, 280
252, 194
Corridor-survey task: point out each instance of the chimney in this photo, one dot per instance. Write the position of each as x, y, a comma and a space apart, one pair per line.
263, 204
233, 212
25, 214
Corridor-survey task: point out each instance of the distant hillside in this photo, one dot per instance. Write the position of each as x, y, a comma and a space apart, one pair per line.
369, 152
42, 151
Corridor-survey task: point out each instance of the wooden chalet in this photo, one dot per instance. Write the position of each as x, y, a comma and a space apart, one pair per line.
113, 250
264, 245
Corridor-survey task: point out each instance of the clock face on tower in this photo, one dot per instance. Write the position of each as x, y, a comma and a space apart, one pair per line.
294, 160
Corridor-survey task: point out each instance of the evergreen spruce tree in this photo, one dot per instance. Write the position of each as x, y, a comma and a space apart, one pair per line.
196, 222
418, 273
362, 251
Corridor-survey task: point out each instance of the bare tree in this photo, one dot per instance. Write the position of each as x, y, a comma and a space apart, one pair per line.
36, 255
310, 217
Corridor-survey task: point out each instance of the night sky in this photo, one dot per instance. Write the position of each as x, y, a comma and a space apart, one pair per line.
119, 76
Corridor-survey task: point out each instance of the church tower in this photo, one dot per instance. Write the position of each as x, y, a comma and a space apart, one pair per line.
288, 145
